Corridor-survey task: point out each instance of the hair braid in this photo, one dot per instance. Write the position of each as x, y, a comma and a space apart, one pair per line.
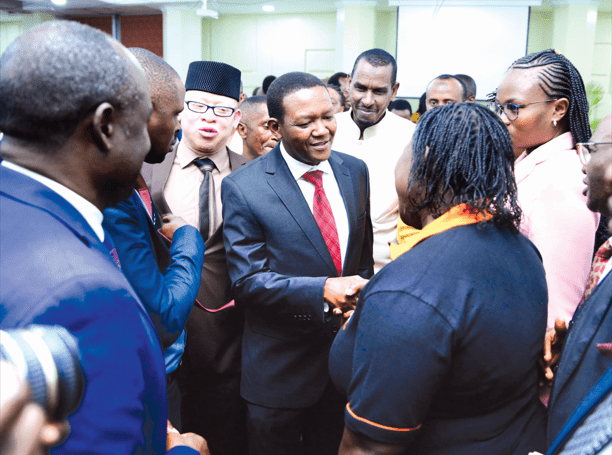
464, 152
560, 79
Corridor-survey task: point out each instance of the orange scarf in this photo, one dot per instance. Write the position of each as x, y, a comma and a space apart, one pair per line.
408, 237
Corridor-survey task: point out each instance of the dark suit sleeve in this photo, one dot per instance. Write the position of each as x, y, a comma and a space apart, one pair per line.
366, 262
168, 297
115, 352
253, 282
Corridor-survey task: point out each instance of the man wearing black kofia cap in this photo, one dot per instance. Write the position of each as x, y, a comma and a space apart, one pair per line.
188, 184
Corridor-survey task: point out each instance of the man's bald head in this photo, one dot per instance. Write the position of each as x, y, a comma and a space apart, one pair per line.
55, 74
257, 138
160, 75
445, 89
168, 97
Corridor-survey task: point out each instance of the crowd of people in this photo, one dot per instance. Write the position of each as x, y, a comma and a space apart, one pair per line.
306, 270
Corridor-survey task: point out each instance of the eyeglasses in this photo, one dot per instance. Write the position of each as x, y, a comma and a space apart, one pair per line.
201, 108
512, 109
586, 149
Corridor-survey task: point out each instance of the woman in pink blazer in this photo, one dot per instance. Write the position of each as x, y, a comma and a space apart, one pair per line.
543, 103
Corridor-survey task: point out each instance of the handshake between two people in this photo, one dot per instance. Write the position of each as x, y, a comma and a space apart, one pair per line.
342, 294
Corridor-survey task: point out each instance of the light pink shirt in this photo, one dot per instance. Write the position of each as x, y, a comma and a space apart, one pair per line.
557, 220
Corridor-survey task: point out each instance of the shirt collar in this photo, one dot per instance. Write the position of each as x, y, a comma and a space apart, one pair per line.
370, 131
298, 169
90, 212
186, 156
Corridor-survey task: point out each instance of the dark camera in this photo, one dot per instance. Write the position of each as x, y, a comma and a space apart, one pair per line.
48, 359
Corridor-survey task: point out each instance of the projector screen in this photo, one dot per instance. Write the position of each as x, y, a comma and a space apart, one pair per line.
479, 41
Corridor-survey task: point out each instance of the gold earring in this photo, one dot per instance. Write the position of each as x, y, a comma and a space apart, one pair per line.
555, 122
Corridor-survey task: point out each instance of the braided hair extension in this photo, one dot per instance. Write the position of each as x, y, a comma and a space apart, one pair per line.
560, 79
463, 153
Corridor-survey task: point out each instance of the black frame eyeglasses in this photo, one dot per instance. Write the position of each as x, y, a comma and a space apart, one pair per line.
586, 149
201, 108
512, 109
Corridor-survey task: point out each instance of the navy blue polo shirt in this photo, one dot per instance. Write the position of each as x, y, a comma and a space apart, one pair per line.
441, 353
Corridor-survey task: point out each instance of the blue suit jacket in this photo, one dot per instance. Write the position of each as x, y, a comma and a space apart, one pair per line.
600, 391
581, 364
55, 270
278, 263
166, 281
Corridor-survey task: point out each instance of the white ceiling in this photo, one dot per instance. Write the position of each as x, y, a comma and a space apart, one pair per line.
109, 7
106, 7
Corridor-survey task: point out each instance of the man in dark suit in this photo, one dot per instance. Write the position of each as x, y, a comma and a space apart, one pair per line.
587, 353
298, 236
165, 279
188, 184
74, 107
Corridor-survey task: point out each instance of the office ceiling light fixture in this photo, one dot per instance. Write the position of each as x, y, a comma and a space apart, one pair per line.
205, 12
59, 2
268, 8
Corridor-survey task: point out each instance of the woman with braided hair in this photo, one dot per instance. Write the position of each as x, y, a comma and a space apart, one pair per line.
433, 361
542, 101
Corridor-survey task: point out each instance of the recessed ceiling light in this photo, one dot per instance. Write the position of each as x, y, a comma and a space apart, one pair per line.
268, 8
59, 2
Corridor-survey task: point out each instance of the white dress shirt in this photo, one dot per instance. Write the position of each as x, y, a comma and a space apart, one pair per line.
332, 191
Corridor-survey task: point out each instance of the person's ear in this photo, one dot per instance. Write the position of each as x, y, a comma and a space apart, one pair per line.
394, 90
471, 99
274, 126
103, 126
242, 130
561, 108
237, 116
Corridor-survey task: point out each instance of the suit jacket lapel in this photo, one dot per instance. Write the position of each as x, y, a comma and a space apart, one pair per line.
286, 188
156, 176
343, 177
586, 322
596, 395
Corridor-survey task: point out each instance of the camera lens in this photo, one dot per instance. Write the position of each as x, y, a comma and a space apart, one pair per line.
48, 358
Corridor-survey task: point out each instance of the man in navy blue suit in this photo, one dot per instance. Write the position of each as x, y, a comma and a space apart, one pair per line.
165, 279
580, 382
74, 107
298, 236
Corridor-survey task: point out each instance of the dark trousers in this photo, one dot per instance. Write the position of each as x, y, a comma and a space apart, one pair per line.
215, 411
174, 401
316, 430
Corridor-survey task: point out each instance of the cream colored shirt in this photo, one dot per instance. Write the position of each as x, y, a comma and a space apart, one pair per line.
381, 147
182, 190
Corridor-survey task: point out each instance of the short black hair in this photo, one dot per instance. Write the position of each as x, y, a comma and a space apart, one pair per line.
469, 82
249, 104
266, 83
464, 152
286, 85
338, 90
335, 78
400, 105
560, 79
378, 57
55, 74
160, 75
446, 77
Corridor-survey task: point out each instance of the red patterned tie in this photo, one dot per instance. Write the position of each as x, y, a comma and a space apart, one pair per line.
597, 268
324, 217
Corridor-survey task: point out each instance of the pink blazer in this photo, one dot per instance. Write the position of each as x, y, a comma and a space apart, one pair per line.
557, 220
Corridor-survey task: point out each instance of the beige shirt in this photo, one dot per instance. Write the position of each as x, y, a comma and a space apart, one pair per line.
182, 190
381, 147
